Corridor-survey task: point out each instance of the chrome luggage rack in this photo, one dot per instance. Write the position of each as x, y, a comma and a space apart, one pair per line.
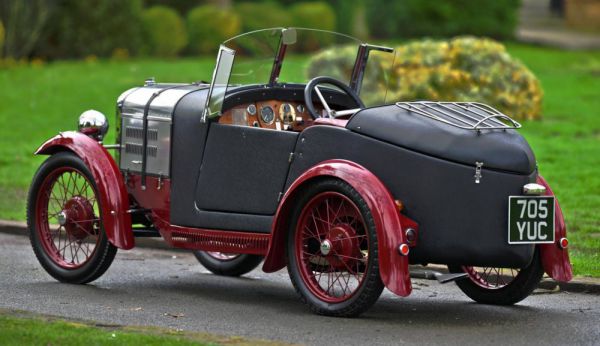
465, 115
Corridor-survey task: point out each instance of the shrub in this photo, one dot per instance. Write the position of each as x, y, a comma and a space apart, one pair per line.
93, 27
462, 69
442, 18
1, 38
261, 15
313, 15
208, 26
165, 34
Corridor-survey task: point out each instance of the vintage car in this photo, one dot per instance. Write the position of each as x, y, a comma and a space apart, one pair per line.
270, 163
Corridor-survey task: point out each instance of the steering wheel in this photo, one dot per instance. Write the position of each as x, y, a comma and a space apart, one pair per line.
313, 86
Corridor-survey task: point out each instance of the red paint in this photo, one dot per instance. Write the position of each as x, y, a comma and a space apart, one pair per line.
554, 259
156, 197
112, 194
210, 240
344, 230
390, 229
79, 223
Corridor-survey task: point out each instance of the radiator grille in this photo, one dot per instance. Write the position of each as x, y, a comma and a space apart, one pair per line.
135, 132
138, 149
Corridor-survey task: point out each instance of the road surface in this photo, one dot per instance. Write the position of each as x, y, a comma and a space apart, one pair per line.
170, 289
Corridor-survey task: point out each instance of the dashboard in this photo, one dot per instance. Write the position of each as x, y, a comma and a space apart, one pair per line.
270, 114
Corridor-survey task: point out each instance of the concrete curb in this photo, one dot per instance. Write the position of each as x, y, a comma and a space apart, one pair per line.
577, 285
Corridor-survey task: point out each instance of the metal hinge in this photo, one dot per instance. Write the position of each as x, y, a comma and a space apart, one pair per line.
291, 158
478, 175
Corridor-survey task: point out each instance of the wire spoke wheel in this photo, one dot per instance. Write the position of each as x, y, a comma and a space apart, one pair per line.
490, 277
332, 250
228, 264
67, 217
332, 247
65, 223
222, 256
500, 286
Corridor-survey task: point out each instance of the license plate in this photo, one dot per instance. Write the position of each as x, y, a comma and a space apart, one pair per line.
530, 219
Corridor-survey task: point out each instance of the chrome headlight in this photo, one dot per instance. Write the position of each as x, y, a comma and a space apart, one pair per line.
93, 124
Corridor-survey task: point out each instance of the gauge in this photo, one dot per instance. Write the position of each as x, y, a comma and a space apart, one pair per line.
267, 114
300, 108
251, 109
287, 114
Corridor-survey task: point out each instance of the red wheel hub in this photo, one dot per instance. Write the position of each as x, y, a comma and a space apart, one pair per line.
344, 246
78, 217
332, 247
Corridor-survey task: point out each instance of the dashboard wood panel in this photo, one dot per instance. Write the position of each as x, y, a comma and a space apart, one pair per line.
286, 115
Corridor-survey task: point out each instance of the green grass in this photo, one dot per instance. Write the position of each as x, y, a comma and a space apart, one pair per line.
19, 328
37, 102
567, 142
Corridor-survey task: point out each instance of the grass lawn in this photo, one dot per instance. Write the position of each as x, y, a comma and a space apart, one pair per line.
18, 328
37, 102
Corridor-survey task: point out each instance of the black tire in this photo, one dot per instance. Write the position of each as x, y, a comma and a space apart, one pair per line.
511, 293
104, 252
236, 266
371, 286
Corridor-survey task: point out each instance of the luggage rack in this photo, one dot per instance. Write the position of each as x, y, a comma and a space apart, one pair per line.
465, 115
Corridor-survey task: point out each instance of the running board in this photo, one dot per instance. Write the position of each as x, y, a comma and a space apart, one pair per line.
433, 275
145, 232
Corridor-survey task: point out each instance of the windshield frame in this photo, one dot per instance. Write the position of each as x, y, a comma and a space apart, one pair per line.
287, 37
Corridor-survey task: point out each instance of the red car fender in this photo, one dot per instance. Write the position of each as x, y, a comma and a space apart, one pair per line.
393, 267
555, 260
112, 193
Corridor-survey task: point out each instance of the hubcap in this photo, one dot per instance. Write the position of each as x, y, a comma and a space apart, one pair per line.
325, 247
62, 218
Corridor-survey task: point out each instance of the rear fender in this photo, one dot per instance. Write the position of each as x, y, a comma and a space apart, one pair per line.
112, 193
393, 267
555, 260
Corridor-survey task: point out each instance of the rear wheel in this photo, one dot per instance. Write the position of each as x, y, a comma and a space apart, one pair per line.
64, 220
332, 250
228, 264
500, 286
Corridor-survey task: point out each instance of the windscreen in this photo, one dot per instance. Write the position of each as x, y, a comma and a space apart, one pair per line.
296, 55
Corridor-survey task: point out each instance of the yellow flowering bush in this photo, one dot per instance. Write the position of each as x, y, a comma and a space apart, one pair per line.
461, 69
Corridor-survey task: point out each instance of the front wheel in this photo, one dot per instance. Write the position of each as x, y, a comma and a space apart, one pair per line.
332, 250
500, 286
65, 223
227, 264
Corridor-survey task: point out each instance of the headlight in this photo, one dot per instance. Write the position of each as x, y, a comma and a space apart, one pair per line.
93, 124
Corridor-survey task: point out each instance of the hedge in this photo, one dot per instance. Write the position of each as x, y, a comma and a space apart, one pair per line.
461, 69
1, 38
93, 27
442, 18
208, 26
165, 34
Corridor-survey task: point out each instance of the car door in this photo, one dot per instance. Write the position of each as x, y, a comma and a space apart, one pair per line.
243, 169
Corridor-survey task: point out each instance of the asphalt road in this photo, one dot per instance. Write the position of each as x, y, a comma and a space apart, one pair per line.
170, 289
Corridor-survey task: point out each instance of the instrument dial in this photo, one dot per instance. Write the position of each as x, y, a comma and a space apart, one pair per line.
267, 115
287, 113
251, 109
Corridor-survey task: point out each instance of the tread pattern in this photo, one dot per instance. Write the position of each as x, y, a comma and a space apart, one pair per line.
371, 288
105, 251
